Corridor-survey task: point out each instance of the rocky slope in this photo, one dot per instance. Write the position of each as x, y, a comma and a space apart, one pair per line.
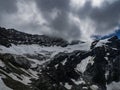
11, 36
33, 62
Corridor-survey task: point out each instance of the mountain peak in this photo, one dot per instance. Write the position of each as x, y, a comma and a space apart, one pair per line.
40, 62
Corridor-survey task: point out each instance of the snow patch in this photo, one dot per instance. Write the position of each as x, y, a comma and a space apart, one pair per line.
94, 87
67, 86
102, 42
78, 82
63, 63
114, 86
82, 66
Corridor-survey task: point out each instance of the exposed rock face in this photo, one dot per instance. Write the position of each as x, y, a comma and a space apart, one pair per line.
104, 70
11, 36
92, 69
15, 60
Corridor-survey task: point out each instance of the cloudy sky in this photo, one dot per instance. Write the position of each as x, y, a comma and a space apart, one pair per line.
71, 19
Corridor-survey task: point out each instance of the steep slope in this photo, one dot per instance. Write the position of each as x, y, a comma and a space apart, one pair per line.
95, 69
23, 56
11, 36
38, 62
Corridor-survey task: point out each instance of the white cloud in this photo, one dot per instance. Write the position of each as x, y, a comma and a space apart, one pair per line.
97, 3
77, 3
86, 27
71, 19
27, 14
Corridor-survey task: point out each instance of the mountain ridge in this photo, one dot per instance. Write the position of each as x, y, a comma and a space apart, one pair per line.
78, 66
12, 36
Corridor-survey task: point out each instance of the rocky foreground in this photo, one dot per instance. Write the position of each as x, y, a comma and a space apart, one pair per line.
34, 62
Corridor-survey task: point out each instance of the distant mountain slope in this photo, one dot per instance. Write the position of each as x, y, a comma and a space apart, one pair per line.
11, 36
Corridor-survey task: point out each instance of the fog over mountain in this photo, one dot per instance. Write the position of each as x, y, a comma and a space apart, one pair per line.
59, 44
71, 19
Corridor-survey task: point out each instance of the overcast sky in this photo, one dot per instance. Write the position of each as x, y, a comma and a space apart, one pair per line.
71, 19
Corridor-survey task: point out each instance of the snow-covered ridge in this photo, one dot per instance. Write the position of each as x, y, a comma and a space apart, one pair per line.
73, 66
12, 36
102, 42
35, 49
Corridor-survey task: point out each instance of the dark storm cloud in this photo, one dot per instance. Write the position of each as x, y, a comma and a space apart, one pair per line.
61, 23
64, 26
54, 15
48, 5
106, 17
8, 6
